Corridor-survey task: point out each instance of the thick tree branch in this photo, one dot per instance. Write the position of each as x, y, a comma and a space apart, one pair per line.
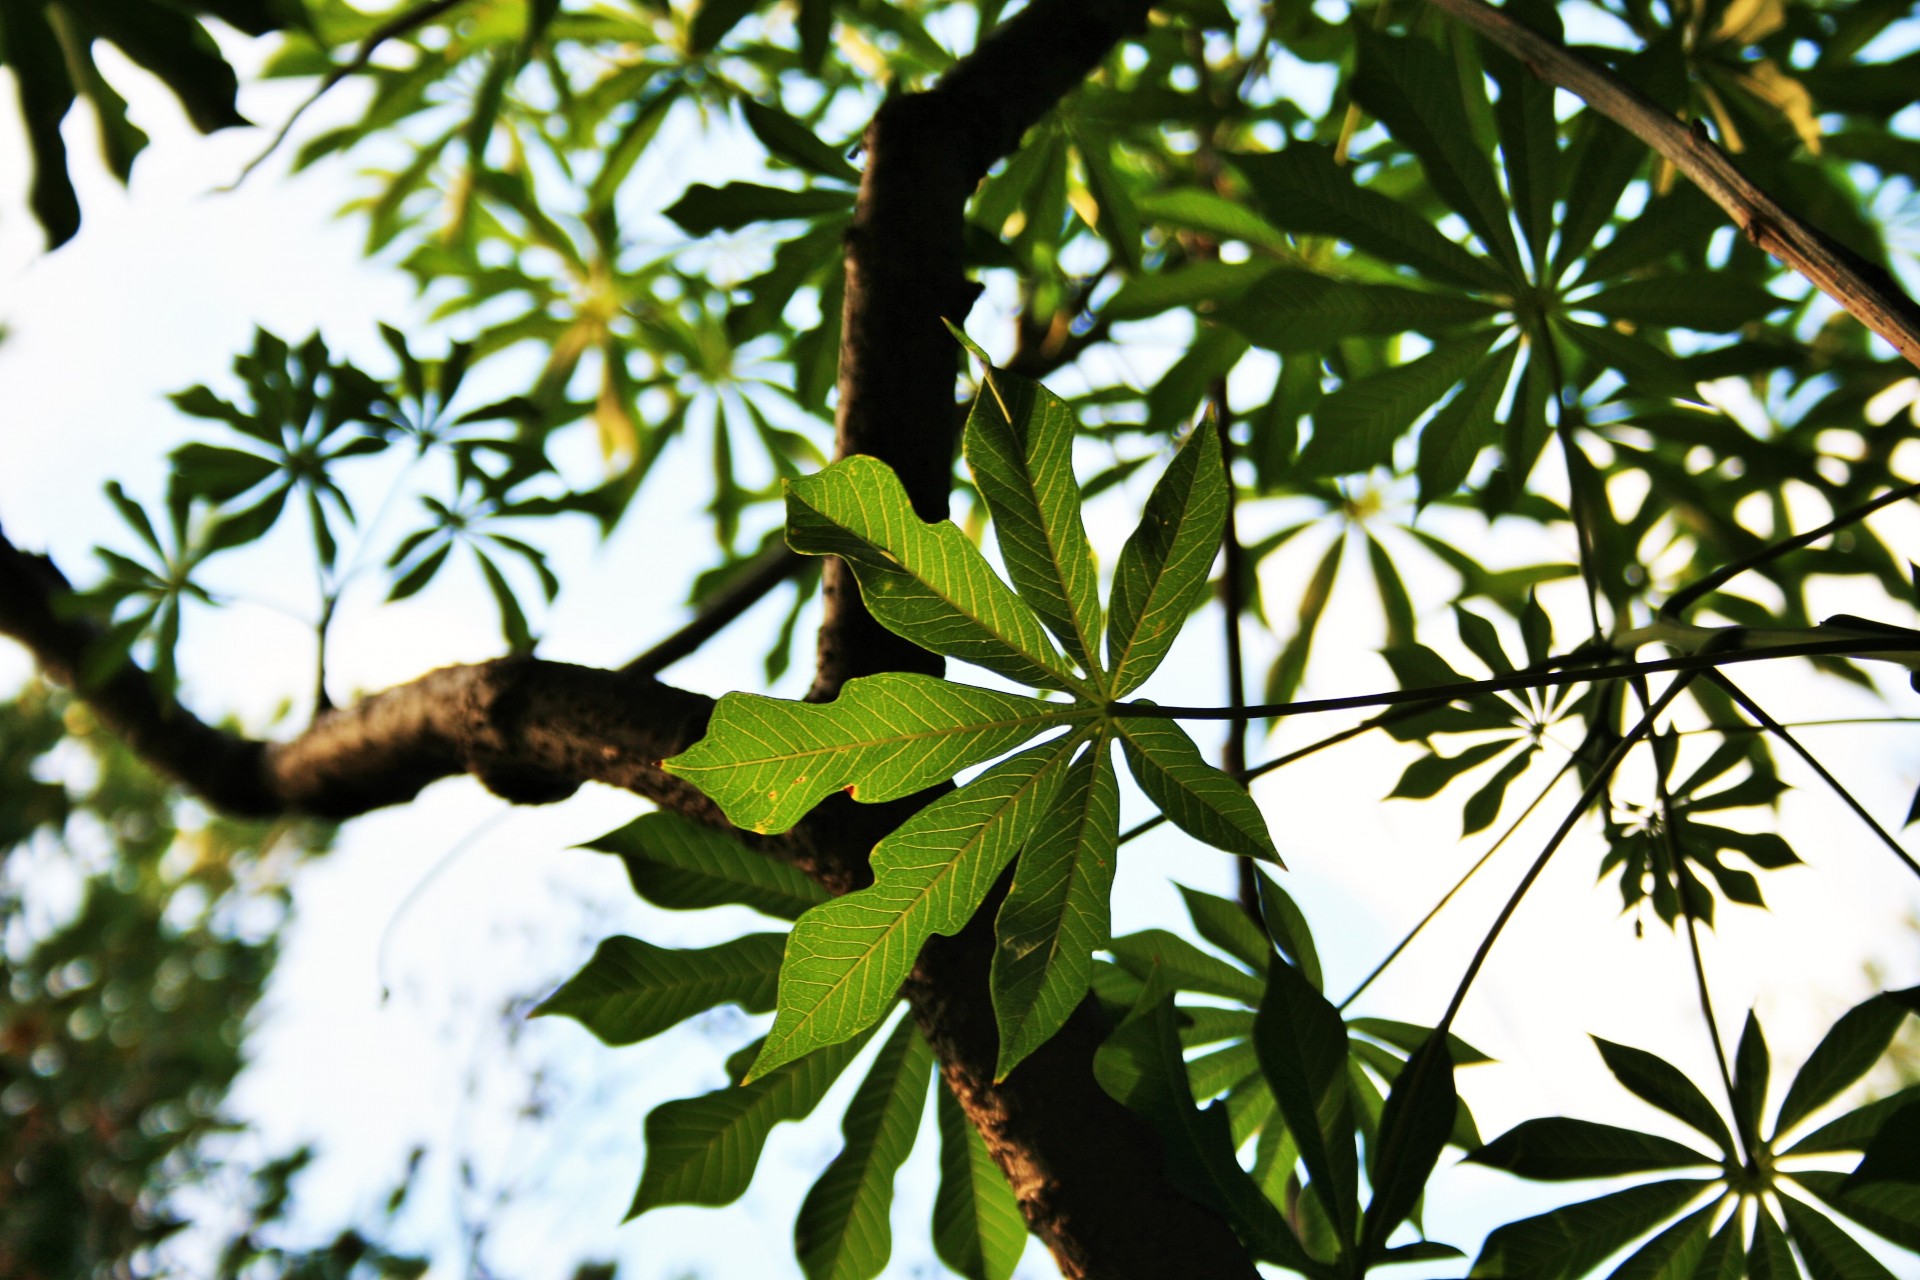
1866, 291
1089, 1174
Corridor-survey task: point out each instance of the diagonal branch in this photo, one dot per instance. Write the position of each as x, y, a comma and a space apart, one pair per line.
1864, 290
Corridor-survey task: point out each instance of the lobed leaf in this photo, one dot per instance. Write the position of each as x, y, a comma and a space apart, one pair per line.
1560, 1148
678, 864
1019, 443
1056, 915
843, 1231
1163, 568
847, 958
1198, 798
767, 761
632, 990
923, 581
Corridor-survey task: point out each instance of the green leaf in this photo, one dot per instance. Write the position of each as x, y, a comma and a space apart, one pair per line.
713, 19
1830, 1253
978, 1229
1302, 1044
1750, 1071
1674, 1254
1770, 1257
1354, 428
1227, 925
767, 761
704, 210
847, 958
1429, 775
1569, 1241
1659, 1082
1894, 1153
843, 1231
1710, 302
1302, 189
1529, 145
632, 990
1183, 966
1414, 89
174, 48
1163, 568
1019, 443
1196, 209
1415, 1126
1562, 1148
703, 1150
32, 52
1890, 1209
1198, 798
1725, 1256
1454, 436
1140, 1066
681, 865
1483, 806
1303, 311
1283, 678
1287, 926
923, 581
1187, 286
1854, 1130
789, 140
1056, 915
1843, 1055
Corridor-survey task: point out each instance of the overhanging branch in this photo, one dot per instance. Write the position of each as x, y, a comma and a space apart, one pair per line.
1864, 290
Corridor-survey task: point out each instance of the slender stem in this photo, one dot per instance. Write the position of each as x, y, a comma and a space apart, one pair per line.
1855, 646
400, 24
1706, 1004
1680, 600
1576, 501
1233, 590
1780, 731
1594, 787
1459, 884
1801, 724
774, 567
1864, 290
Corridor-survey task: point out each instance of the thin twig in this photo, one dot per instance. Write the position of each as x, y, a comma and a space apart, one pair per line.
775, 566
1460, 884
1594, 787
398, 25
1781, 732
1853, 646
1686, 596
1706, 1007
1864, 290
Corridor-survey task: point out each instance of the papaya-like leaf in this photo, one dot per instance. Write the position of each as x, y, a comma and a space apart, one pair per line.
1769, 1255
704, 209
1227, 925
923, 581
678, 864
632, 990
767, 761
1893, 1155
978, 1229
703, 1150
1163, 568
1019, 443
847, 958
1302, 1044
1454, 436
1843, 1055
1182, 966
1141, 1067
1659, 1082
1559, 1148
1751, 1067
1290, 310
1830, 1253
1415, 1125
1675, 1253
789, 140
1569, 1241
1056, 915
1198, 798
844, 1230
1890, 1209
1354, 428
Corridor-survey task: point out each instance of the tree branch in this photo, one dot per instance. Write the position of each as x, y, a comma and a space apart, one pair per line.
1863, 289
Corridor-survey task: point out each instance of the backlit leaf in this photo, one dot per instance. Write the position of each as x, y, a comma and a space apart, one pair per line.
1198, 798
632, 990
1164, 566
978, 1229
681, 865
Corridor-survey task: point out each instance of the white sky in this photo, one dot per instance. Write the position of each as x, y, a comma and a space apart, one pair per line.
161, 290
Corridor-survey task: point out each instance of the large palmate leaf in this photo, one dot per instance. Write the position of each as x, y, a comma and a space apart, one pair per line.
923, 581
1163, 567
1199, 799
767, 761
1056, 915
846, 958
843, 1231
675, 863
703, 1150
978, 1229
1019, 442
632, 990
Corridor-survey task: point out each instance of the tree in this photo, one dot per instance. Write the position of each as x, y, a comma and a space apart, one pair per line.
1456, 294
